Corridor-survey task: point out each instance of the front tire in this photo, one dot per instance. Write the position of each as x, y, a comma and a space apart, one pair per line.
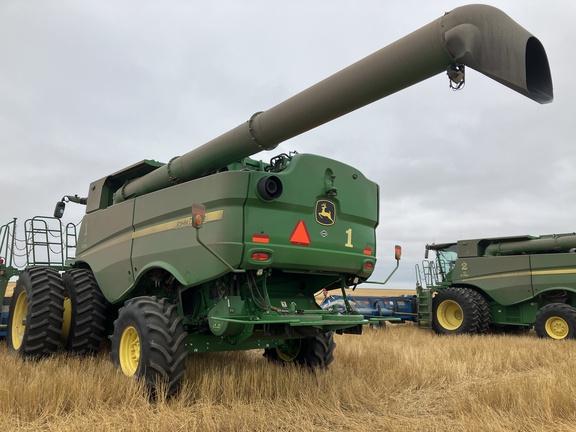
484, 316
148, 342
556, 321
85, 312
36, 311
455, 312
314, 352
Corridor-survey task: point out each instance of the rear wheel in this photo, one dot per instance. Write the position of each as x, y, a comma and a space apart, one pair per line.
314, 352
148, 342
85, 312
556, 321
455, 312
36, 311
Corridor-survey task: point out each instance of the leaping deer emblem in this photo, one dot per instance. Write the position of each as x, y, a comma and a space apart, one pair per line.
324, 213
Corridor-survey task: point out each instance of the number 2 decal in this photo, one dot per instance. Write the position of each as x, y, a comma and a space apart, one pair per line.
464, 266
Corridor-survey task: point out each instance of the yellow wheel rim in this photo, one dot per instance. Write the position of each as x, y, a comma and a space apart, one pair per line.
67, 319
129, 351
19, 317
450, 315
557, 328
290, 351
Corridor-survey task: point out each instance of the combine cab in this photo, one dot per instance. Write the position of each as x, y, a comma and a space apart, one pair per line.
215, 251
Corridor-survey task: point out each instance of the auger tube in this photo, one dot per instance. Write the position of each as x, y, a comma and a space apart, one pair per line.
543, 244
478, 36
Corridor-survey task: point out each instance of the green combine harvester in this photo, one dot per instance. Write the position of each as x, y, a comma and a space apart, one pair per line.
509, 283
215, 251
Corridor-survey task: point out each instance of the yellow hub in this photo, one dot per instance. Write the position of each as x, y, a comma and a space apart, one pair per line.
19, 317
129, 351
450, 315
290, 351
557, 328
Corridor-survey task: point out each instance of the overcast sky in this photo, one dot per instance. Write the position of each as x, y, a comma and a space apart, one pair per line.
89, 87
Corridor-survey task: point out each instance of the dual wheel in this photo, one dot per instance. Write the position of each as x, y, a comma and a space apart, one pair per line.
49, 312
459, 311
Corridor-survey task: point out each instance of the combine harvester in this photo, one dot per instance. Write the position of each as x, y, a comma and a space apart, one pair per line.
215, 251
509, 283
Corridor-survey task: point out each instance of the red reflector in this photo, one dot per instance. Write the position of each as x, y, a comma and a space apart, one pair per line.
261, 238
1, 261
367, 251
300, 235
260, 256
368, 266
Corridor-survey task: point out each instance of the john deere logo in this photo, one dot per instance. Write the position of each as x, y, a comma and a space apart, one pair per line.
325, 212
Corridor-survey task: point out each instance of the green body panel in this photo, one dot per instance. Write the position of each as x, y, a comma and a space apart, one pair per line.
337, 244
105, 243
164, 236
517, 314
518, 275
507, 280
553, 271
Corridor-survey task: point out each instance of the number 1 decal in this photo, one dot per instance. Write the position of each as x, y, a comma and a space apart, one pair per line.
349, 242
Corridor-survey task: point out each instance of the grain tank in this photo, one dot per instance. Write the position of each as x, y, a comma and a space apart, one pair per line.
216, 251
507, 283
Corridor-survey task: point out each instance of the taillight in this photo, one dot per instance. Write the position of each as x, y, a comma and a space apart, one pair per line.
260, 256
397, 252
261, 238
368, 266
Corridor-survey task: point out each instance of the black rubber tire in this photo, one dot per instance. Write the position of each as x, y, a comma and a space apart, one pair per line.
36, 311
88, 312
484, 316
455, 312
161, 354
556, 321
315, 352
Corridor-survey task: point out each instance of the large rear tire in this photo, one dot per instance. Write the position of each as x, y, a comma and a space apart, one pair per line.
314, 352
36, 313
85, 312
455, 312
484, 316
148, 342
556, 321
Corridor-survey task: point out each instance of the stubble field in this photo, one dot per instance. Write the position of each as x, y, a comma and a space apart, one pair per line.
396, 379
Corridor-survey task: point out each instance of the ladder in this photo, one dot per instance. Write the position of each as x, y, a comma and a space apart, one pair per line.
427, 278
424, 307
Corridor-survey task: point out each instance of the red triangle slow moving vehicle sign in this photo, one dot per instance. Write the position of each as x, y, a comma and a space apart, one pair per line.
300, 235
